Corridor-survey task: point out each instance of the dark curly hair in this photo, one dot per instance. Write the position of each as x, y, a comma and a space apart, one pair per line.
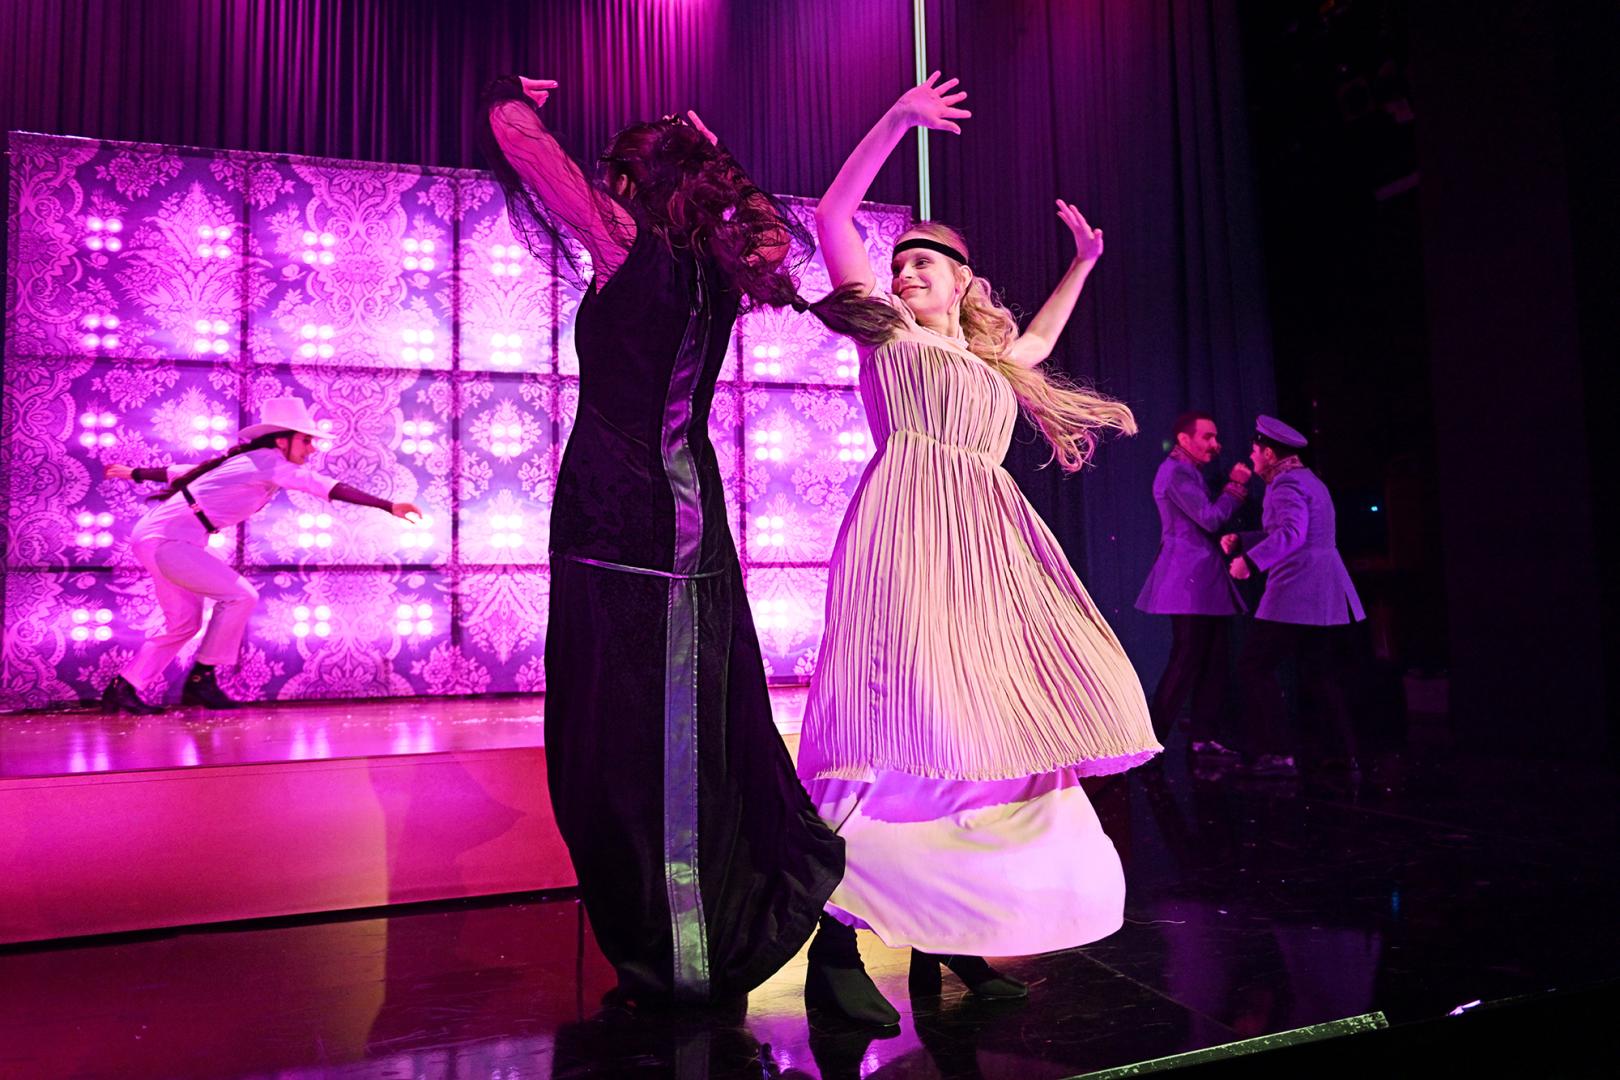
690, 193
665, 177
266, 441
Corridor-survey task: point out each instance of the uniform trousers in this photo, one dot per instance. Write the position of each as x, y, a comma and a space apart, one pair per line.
1319, 653
1197, 667
183, 576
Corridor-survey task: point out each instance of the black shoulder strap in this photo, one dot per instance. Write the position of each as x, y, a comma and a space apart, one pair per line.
191, 500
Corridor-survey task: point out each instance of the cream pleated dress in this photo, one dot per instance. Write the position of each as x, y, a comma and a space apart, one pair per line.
965, 683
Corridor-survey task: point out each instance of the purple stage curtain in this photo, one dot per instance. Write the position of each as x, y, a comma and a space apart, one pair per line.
788, 85
1135, 113
1132, 109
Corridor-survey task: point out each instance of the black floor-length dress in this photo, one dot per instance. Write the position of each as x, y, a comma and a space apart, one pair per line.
702, 865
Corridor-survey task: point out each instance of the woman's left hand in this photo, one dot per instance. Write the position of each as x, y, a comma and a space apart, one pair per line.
538, 90
1088, 242
409, 511
697, 122
119, 472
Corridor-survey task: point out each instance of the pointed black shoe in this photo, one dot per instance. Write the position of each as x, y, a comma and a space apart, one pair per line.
122, 697
836, 981
983, 980
202, 688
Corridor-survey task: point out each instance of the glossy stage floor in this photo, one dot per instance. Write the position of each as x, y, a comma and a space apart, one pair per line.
1436, 881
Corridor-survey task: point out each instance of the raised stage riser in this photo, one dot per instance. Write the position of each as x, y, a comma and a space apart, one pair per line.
113, 852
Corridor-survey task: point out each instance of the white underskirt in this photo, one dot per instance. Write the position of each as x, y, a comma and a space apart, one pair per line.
981, 868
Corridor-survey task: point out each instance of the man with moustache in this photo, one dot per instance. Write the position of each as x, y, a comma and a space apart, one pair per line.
1189, 582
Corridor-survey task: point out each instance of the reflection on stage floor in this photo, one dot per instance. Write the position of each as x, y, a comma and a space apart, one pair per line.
1254, 907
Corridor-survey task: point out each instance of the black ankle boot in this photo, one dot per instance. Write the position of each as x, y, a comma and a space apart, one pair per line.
980, 978
202, 688
836, 981
122, 697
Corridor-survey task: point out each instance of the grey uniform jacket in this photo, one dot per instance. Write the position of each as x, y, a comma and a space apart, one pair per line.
1189, 576
1306, 581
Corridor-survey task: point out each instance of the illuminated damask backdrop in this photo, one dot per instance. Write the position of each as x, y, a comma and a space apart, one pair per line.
157, 294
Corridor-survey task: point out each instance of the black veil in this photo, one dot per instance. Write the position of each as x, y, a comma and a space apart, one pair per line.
675, 183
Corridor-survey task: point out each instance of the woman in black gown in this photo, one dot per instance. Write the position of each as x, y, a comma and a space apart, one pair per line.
701, 862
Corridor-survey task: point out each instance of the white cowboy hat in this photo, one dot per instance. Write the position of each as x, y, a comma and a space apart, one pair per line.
281, 414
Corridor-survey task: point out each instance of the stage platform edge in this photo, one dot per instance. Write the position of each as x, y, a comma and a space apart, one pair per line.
156, 848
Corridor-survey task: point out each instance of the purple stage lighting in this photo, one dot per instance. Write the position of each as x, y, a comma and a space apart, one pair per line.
159, 294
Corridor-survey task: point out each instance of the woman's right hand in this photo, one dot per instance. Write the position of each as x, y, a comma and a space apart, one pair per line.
538, 89
931, 106
119, 472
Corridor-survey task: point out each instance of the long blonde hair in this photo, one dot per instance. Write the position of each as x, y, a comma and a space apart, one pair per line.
1070, 416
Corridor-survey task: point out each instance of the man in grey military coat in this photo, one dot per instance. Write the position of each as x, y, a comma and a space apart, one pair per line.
1308, 599
1189, 582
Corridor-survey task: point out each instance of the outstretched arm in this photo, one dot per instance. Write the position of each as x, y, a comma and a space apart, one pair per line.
157, 474
1036, 343
303, 478
557, 179
351, 494
926, 105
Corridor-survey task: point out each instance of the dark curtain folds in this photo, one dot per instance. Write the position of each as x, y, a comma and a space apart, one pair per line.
788, 85
1135, 113
1133, 110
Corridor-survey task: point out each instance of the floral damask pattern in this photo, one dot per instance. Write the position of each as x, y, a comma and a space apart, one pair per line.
124, 251
504, 616
788, 606
138, 168
508, 473
157, 295
73, 417
357, 271
509, 299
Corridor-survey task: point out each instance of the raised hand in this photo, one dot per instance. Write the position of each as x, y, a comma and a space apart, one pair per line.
1035, 344
697, 122
931, 106
1088, 242
119, 472
1240, 473
538, 90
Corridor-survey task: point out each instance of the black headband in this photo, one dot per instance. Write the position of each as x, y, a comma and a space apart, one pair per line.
931, 245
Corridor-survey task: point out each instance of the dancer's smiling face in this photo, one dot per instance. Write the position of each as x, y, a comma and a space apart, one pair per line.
931, 284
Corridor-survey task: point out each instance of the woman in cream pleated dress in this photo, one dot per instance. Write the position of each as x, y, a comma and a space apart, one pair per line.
966, 681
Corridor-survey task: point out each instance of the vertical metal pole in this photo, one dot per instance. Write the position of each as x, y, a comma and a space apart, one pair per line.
919, 51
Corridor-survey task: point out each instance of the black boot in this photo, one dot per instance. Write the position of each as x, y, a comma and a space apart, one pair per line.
982, 979
122, 697
203, 689
836, 981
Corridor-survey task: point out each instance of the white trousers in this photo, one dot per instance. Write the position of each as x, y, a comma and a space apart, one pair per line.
183, 576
